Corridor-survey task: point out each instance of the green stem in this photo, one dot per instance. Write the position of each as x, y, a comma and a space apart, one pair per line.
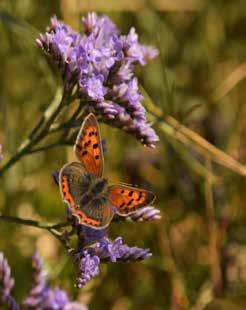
40, 130
37, 224
45, 147
50, 227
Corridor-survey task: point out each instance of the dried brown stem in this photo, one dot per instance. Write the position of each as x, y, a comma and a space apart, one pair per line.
179, 300
214, 249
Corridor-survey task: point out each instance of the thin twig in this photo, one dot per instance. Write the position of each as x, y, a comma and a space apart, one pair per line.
28, 222
179, 299
171, 127
215, 268
40, 130
205, 148
50, 227
45, 147
191, 161
235, 77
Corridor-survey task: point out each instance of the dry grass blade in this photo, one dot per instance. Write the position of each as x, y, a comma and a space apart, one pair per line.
230, 82
204, 147
215, 270
188, 137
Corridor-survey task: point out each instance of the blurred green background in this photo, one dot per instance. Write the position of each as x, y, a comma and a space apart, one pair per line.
199, 246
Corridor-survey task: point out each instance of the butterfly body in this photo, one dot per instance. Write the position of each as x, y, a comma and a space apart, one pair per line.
86, 192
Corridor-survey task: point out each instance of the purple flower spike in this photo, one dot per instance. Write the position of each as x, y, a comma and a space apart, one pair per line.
7, 282
88, 268
36, 294
118, 251
135, 254
145, 214
100, 65
6, 285
89, 259
42, 297
12, 304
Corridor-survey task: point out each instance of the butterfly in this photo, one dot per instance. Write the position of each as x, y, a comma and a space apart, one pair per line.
87, 193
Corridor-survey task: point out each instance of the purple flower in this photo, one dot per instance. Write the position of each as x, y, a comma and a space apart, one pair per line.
36, 294
144, 214
88, 264
118, 251
89, 259
12, 304
6, 284
100, 64
41, 296
112, 250
53, 299
124, 72
132, 49
94, 88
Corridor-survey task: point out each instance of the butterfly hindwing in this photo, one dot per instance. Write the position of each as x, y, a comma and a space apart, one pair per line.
74, 183
98, 213
88, 146
127, 199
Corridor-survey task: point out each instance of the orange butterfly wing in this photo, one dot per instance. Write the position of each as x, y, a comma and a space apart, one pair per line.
88, 146
127, 199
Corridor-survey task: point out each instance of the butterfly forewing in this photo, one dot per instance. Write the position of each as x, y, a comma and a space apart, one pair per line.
88, 146
127, 199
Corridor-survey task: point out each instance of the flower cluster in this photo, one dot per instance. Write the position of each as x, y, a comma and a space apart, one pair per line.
6, 284
41, 296
104, 250
100, 64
